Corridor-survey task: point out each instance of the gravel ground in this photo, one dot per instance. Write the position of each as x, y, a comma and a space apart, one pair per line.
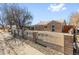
15, 47
45, 50
22, 47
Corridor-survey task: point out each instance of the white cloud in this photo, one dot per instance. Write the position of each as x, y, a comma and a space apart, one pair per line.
56, 7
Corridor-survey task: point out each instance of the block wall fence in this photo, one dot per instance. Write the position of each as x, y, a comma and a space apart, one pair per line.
61, 42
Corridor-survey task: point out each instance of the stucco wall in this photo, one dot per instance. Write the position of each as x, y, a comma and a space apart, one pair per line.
59, 41
68, 44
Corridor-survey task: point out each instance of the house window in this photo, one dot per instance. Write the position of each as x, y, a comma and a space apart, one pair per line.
45, 26
53, 27
78, 31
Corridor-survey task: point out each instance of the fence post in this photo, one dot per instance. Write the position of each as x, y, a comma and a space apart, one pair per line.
68, 44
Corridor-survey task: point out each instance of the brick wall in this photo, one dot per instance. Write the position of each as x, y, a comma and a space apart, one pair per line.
58, 26
48, 27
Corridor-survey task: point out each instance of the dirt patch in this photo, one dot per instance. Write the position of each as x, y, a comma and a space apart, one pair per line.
45, 50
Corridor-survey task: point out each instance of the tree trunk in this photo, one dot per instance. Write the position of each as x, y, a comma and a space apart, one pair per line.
11, 29
75, 50
22, 32
18, 32
3, 27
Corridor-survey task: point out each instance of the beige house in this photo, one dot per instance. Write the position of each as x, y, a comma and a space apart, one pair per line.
54, 26
74, 20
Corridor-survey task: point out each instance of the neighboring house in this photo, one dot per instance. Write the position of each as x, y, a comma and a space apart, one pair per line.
74, 20
68, 29
54, 26
29, 27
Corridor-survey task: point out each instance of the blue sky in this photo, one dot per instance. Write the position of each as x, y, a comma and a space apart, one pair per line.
47, 11
50, 11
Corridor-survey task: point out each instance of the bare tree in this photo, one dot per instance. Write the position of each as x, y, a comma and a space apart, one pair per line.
18, 16
75, 21
2, 23
25, 21
7, 15
2, 20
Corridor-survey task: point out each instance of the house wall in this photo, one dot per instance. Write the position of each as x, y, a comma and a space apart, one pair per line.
48, 27
74, 19
58, 26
